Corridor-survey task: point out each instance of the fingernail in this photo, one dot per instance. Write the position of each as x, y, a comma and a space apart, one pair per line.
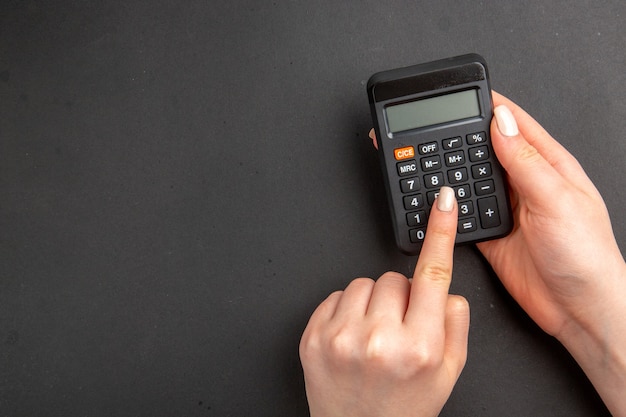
505, 121
446, 200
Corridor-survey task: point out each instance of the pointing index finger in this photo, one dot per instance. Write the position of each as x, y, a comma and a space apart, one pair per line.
433, 272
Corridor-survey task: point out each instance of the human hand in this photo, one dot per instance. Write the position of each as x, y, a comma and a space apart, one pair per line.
561, 259
391, 347
561, 262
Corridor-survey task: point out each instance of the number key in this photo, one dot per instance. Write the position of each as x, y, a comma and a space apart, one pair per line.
413, 202
456, 176
416, 218
462, 191
410, 184
433, 180
466, 208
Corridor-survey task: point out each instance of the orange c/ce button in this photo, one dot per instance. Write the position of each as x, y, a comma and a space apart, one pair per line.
404, 153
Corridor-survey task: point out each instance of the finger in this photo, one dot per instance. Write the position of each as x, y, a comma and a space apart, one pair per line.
390, 297
355, 299
457, 331
529, 172
372, 135
326, 310
433, 272
310, 341
552, 151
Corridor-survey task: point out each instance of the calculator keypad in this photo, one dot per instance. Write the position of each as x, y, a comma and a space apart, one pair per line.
467, 170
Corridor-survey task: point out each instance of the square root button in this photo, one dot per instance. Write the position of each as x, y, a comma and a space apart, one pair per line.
488, 211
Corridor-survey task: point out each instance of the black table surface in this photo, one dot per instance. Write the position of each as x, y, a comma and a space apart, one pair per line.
182, 182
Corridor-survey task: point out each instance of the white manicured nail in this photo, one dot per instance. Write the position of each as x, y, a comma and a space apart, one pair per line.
446, 200
506, 121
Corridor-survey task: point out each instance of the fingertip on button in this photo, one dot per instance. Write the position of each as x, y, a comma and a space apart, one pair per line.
446, 199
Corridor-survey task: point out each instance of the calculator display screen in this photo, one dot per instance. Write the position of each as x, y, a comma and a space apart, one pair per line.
433, 110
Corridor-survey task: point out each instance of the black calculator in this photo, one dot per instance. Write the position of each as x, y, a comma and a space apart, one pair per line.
432, 124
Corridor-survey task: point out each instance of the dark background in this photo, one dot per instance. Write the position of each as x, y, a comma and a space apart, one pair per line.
182, 182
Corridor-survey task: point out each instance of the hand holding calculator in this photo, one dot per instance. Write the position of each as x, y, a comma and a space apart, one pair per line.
432, 124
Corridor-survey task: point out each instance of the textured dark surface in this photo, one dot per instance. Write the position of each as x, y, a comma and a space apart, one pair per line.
181, 183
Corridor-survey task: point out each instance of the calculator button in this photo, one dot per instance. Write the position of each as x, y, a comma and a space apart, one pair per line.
404, 153
467, 225
488, 211
412, 202
431, 196
427, 148
452, 143
466, 208
462, 192
455, 158
416, 218
481, 171
410, 184
478, 154
456, 176
431, 163
484, 187
433, 180
417, 235
476, 138
407, 168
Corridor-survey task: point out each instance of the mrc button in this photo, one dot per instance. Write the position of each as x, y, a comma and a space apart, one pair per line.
407, 167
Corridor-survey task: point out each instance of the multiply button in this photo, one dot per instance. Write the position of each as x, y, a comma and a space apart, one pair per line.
481, 170
488, 210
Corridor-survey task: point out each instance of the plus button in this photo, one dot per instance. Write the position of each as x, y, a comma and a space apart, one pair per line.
488, 209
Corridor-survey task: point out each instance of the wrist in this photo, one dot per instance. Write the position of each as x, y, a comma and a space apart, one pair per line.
596, 338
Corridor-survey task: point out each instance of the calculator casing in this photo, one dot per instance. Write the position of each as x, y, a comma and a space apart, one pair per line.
433, 79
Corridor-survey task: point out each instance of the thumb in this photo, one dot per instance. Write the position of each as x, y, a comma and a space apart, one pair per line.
531, 175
